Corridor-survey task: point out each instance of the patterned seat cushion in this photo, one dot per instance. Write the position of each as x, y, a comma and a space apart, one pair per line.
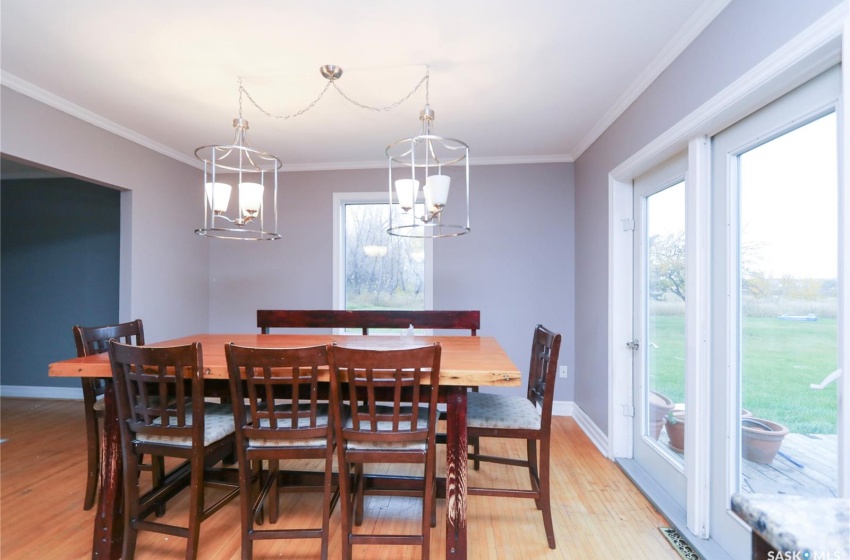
284, 423
487, 410
218, 424
386, 426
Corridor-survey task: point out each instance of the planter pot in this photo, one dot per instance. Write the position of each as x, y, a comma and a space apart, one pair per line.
761, 439
675, 426
659, 406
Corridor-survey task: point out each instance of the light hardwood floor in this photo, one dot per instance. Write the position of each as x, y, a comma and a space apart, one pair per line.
597, 511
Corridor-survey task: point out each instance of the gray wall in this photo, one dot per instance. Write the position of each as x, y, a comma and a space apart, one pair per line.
60, 253
745, 33
515, 265
164, 266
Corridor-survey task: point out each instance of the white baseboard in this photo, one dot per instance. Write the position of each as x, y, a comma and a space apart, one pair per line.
23, 391
559, 408
591, 430
563, 408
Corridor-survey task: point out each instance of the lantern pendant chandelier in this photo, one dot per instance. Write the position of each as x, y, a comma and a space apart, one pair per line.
420, 160
251, 171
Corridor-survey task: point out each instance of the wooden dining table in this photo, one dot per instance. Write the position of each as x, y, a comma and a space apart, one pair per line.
467, 361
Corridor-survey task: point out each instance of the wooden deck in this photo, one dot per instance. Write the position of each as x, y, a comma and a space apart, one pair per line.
806, 465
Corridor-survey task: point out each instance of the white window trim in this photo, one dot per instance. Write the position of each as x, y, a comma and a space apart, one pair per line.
819, 47
697, 329
340, 199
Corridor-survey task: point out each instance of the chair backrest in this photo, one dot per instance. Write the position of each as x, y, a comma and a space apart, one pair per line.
392, 394
159, 390
95, 340
367, 319
264, 375
542, 372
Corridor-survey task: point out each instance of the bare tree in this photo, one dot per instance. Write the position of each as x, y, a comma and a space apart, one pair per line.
391, 278
667, 265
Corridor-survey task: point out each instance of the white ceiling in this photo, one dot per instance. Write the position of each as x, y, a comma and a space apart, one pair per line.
529, 81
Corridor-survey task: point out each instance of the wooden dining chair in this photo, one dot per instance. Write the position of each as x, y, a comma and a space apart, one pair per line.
278, 415
161, 411
95, 340
390, 418
529, 418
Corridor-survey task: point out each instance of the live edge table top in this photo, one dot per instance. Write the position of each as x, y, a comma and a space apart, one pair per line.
466, 360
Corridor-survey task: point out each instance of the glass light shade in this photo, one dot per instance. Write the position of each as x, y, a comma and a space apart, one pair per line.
436, 191
218, 196
250, 199
375, 250
406, 190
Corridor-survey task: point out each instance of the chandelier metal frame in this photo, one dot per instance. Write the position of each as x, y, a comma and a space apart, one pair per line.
419, 156
240, 160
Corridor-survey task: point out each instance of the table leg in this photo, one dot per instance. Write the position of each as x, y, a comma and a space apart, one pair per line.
456, 459
109, 519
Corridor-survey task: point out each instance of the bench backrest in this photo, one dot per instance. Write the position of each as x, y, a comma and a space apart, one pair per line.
367, 319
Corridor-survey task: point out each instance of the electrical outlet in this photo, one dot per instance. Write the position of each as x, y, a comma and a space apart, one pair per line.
562, 372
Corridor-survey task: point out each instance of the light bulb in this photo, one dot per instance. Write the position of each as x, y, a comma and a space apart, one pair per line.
218, 196
406, 190
250, 199
436, 192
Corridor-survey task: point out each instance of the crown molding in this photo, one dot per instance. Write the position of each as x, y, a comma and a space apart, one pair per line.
819, 46
23, 87
706, 13
522, 160
496, 160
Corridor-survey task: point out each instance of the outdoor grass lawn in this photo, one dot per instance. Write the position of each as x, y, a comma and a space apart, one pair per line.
780, 360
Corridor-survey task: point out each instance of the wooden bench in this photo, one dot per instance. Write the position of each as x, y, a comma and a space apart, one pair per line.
367, 319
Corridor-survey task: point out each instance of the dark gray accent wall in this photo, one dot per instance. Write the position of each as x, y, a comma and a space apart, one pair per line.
743, 35
164, 265
60, 267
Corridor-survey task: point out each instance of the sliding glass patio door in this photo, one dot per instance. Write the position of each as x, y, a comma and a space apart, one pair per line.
659, 325
775, 304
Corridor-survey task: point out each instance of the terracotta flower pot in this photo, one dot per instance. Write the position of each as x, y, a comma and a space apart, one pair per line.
659, 406
761, 439
675, 426
674, 423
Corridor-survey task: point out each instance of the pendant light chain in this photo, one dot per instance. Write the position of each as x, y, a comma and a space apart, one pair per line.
332, 82
425, 80
241, 89
282, 117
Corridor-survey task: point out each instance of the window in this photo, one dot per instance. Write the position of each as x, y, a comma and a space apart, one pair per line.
372, 269
775, 336
659, 324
